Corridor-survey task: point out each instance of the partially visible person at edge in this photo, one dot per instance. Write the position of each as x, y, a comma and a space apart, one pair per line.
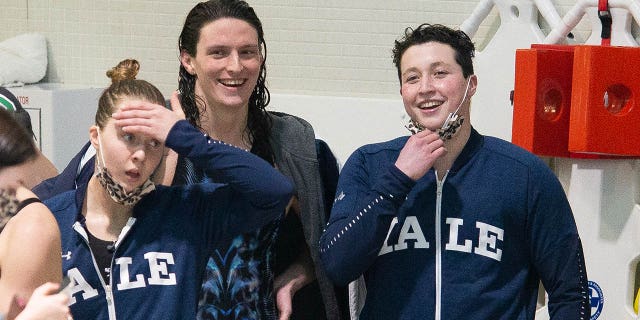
30, 261
136, 250
223, 92
448, 223
40, 167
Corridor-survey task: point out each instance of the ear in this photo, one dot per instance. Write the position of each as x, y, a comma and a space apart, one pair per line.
187, 62
473, 85
93, 137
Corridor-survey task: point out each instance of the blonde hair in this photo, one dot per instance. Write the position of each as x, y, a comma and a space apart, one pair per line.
125, 85
125, 70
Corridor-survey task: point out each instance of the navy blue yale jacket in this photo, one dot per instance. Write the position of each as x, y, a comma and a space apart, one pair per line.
472, 246
161, 253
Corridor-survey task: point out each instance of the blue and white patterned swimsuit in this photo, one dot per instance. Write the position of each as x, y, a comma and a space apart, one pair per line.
233, 285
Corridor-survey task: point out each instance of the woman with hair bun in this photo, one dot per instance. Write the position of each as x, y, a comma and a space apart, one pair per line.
31, 274
136, 250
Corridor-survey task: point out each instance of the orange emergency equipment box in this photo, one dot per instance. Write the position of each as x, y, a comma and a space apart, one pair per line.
577, 101
605, 117
542, 99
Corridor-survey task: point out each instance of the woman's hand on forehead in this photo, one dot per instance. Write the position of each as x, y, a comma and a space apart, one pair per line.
143, 117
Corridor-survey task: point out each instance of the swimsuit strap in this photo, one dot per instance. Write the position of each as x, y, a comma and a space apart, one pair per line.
27, 202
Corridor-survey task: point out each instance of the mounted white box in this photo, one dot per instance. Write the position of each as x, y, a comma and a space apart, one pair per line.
61, 115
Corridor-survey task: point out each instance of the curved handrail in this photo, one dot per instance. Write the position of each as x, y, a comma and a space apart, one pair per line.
482, 10
575, 14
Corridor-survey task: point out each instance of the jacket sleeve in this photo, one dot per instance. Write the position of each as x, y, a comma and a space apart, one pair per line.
265, 191
557, 249
364, 207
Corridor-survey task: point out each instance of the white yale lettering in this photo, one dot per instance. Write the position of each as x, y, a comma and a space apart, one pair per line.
159, 275
410, 231
79, 284
157, 266
488, 237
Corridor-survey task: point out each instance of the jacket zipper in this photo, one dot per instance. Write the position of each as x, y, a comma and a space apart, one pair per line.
438, 244
107, 288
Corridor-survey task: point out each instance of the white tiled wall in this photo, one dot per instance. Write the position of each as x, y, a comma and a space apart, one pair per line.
316, 47
326, 58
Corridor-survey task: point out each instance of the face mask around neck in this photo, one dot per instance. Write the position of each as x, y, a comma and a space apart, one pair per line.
8, 206
116, 190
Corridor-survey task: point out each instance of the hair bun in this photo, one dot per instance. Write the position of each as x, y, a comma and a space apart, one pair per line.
125, 70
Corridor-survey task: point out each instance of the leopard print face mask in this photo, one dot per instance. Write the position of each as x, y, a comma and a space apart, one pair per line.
116, 190
8, 206
413, 126
450, 127
446, 132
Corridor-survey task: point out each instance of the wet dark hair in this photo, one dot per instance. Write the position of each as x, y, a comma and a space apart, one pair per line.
16, 145
258, 122
457, 39
125, 85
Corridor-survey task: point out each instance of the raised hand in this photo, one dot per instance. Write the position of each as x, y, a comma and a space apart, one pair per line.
46, 304
143, 117
419, 153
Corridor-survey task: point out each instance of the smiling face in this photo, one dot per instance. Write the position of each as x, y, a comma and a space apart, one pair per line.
433, 84
227, 62
129, 158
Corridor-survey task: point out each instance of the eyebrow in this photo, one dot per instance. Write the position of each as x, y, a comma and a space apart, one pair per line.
431, 66
439, 64
224, 46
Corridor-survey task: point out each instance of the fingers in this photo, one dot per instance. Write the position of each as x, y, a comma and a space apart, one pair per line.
47, 289
138, 109
146, 118
50, 289
136, 125
284, 299
424, 143
45, 303
140, 105
284, 316
284, 311
64, 298
126, 121
437, 153
426, 135
419, 154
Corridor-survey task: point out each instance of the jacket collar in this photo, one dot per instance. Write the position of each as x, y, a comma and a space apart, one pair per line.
473, 145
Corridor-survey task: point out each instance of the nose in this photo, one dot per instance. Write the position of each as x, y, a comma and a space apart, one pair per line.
234, 63
139, 154
426, 85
